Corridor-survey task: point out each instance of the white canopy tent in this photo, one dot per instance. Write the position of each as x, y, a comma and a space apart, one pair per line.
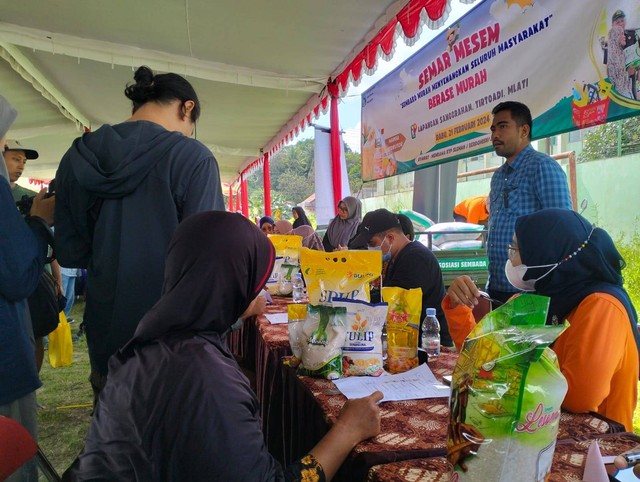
258, 67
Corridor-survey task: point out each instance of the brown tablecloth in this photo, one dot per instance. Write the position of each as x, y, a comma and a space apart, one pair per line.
409, 429
568, 461
259, 347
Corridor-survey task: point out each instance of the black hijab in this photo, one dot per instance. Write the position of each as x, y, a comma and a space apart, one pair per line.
302, 220
217, 263
588, 261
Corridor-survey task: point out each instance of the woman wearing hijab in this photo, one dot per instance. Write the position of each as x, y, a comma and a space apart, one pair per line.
266, 224
343, 227
282, 227
616, 68
176, 405
579, 268
300, 217
310, 238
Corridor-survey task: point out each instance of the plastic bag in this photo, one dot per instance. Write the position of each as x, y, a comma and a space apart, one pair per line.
507, 390
403, 327
286, 265
362, 349
60, 344
323, 336
342, 274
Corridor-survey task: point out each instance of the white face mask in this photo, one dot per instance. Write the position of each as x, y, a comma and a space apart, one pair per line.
516, 273
385, 256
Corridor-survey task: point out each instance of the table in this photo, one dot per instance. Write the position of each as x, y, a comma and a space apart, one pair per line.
409, 429
568, 461
259, 347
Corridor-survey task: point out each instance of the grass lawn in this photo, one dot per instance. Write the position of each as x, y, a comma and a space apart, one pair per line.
66, 397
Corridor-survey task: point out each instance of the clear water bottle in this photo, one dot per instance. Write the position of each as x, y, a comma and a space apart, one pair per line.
431, 334
298, 289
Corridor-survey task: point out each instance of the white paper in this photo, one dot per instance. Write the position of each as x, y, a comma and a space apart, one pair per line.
277, 318
412, 385
594, 470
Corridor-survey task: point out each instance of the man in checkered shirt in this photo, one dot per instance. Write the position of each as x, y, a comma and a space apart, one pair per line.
528, 181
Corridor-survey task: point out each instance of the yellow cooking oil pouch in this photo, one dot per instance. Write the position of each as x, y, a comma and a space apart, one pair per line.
403, 327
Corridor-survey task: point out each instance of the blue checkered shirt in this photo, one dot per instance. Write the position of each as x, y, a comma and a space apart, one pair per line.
532, 181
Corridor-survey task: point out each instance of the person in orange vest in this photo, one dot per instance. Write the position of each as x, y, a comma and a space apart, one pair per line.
473, 210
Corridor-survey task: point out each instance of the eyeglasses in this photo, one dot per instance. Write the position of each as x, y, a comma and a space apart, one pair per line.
343, 209
512, 250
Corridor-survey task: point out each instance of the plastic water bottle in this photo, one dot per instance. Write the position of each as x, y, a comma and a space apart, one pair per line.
298, 289
431, 334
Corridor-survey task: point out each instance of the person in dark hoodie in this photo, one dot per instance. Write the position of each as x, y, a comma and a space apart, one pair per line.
121, 193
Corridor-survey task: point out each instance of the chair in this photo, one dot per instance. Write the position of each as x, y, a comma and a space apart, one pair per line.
17, 447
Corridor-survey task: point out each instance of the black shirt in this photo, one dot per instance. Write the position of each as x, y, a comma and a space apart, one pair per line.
415, 266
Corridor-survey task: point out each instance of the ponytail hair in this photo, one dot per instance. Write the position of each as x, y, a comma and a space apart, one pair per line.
161, 88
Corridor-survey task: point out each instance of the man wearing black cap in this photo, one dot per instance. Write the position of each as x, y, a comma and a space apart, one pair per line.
15, 157
411, 264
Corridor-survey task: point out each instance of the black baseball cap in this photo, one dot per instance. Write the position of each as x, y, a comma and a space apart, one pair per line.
374, 222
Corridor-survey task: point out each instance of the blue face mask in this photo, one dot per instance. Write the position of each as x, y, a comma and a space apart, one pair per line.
385, 256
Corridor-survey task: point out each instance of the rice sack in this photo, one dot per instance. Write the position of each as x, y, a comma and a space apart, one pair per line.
403, 327
323, 336
296, 316
343, 274
362, 349
286, 265
507, 390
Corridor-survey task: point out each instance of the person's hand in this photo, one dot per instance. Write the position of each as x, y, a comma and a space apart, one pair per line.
359, 418
257, 307
341, 248
631, 70
43, 208
621, 463
463, 291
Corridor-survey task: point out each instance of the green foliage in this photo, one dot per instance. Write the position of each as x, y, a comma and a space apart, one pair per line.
602, 142
629, 247
292, 179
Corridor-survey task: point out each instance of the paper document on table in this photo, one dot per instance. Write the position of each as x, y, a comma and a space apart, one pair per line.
412, 385
277, 318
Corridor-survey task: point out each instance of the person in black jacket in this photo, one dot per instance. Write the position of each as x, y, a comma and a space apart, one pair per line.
410, 264
300, 217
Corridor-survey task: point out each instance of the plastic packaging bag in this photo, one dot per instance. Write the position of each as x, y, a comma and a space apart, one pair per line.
323, 336
343, 274
60, 344
403, 327
286, 265
362, 349
506, 394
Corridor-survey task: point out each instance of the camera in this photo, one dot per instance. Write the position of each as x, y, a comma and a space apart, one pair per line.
24, 204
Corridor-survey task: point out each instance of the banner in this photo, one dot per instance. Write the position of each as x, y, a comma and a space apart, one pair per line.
325, 207
573, 63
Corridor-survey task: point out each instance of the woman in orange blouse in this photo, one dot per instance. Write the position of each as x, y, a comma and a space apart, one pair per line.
558, 253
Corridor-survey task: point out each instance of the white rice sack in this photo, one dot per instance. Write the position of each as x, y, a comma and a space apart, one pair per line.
273, 283
446, 232
324, 332
362, 349
465, 244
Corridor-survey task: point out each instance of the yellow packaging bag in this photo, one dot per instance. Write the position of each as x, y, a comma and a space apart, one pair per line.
403, 327
60, 344
342, 274
286, 265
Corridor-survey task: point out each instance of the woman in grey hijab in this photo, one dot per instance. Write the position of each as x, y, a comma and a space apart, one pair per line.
343, 227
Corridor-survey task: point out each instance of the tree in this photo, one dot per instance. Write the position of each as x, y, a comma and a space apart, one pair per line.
602, 141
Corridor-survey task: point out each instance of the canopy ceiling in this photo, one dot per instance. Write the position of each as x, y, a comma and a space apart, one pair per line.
259, 67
